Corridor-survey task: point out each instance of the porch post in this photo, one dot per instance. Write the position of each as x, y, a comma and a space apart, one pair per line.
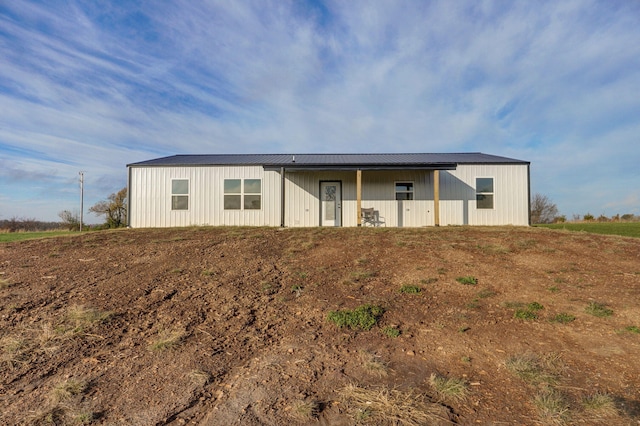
359, 196
282, 201
436, 197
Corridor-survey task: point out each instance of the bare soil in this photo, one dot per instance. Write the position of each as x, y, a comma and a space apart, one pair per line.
224, 326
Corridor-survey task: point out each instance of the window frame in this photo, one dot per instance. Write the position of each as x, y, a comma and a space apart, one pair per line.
242, 194
176, 195
407, 183
485, 194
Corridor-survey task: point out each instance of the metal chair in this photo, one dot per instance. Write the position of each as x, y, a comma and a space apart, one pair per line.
370, 217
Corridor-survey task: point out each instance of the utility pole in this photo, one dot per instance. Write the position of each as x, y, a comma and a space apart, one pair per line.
81, 198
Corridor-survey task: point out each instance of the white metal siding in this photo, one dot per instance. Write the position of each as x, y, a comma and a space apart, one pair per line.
150, 197
511, 195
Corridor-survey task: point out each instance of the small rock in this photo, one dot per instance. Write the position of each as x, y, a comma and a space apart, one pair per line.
411, 353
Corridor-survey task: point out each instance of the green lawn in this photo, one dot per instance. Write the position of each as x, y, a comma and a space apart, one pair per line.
19, 236
626, 229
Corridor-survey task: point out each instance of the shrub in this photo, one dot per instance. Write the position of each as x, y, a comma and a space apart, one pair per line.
363, 317
410, 289
391, 331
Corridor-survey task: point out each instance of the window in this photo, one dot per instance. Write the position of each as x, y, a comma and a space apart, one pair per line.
180, 194
252, 194
242, 194
484, 193
232, 194
404, 190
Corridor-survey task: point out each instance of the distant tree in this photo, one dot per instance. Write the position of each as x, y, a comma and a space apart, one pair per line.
114, 209
588, 217
542, 209
70, 220
560, 219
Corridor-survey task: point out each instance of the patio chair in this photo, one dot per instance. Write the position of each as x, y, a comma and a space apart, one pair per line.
371, 217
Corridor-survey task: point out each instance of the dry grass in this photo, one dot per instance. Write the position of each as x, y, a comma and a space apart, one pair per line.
599, 407
167, 339
199, 377
534, 369
66, 390
552, 407
83, 318
391, 406
449, 389
305, 410
14, 350
372, 365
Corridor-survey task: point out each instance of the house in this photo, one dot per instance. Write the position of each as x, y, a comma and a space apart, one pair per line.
306, 190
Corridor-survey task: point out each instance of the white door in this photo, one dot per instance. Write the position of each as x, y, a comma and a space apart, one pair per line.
331, 204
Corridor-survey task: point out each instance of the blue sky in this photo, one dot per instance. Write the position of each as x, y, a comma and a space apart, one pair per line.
94, 85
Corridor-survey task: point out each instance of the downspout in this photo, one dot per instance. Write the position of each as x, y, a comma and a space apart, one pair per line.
436, 197
529, 193
282, 203
359, 197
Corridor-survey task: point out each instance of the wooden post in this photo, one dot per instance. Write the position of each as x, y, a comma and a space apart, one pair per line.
436, 197
359, 196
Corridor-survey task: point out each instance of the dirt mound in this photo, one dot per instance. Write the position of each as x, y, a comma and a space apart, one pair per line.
222, 326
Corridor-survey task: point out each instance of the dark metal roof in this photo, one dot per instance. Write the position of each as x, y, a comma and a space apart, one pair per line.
332, 161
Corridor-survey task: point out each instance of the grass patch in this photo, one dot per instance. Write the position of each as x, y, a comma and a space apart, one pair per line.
525, 314
372, 365
21, 236
468, 280
534, 369
392, 406
563, 318
363, 317
449, 389
552, 406
167, 339
630, 329
82, 315
528, 312
68, 389
427, 281
14, 351
391, 331
626, 229
410, 289
483, 294
362, 275
598, 310
535, 306
305, 410
599, 406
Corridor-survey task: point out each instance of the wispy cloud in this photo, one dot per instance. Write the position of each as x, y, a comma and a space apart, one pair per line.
93, 87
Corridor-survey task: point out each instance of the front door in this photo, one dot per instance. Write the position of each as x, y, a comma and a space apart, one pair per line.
331, 204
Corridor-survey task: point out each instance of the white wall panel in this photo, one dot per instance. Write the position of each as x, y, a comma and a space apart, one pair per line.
511, 195
150, 197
